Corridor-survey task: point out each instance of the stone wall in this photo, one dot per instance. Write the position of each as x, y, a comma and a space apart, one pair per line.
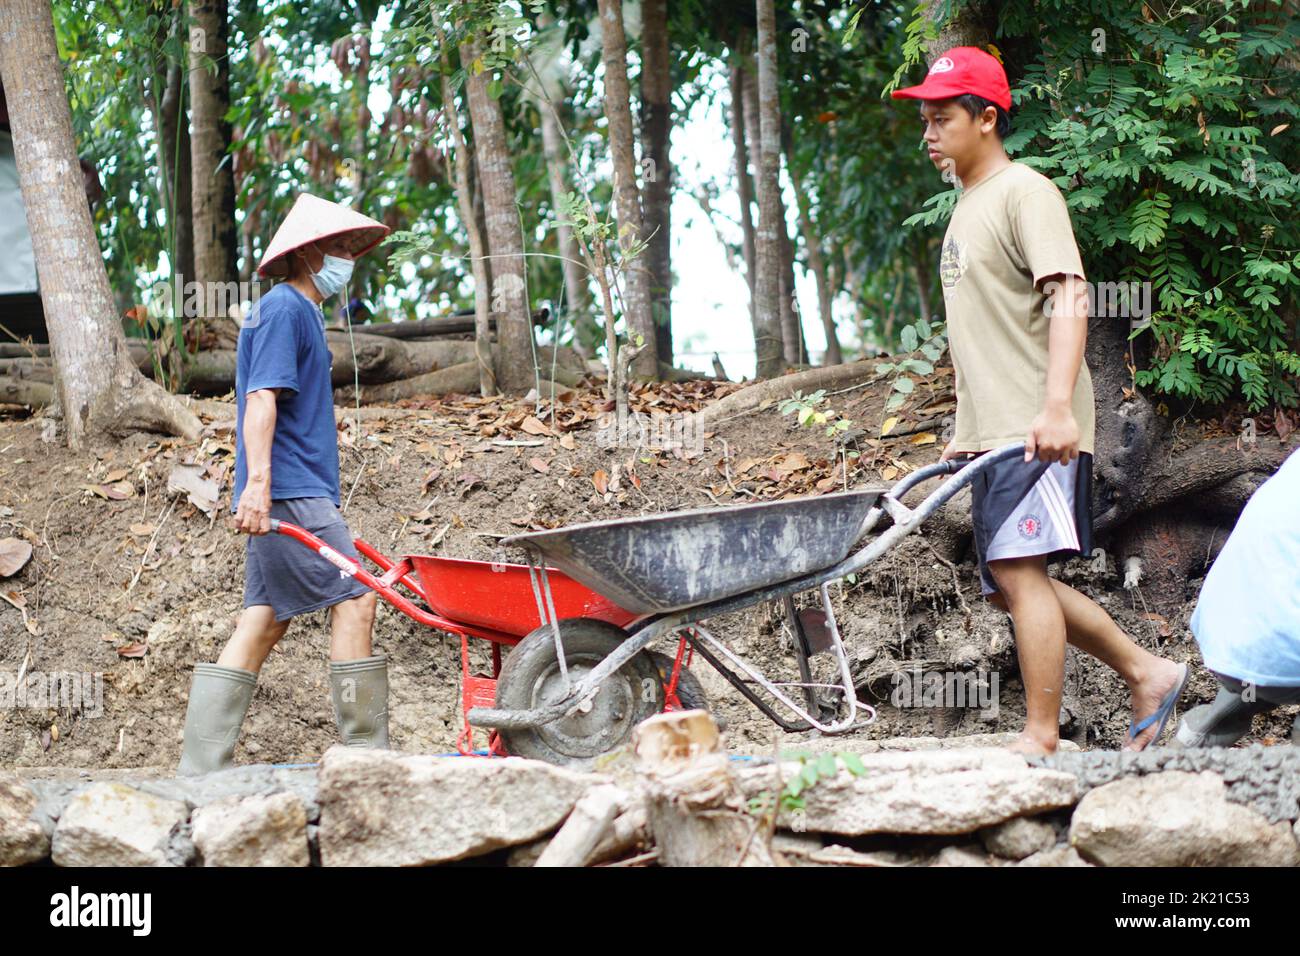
935, 806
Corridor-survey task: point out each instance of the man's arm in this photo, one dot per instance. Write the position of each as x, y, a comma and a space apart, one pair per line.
254, 514
1054, 434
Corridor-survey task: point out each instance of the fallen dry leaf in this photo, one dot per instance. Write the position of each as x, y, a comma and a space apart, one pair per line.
117, 474
202, 492
142, 530
13, 555
115, 492
534, 427
601, 481
539, 465
567, 442
133, 650
888, 426
925, 438
1282, 424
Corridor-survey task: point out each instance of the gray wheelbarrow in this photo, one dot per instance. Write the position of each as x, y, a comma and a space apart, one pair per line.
554, 700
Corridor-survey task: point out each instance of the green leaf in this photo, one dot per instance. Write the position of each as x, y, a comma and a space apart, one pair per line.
909, 338
809, 774
904, 384
853, 763
826, 766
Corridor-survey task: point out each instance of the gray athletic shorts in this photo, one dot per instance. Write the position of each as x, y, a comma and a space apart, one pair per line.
1020, 509
290, 577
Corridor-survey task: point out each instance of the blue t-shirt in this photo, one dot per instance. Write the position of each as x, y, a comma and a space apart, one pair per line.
282, 345
1247, 619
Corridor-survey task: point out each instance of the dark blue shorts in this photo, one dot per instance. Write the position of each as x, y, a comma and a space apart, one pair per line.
290, 577
1021, 509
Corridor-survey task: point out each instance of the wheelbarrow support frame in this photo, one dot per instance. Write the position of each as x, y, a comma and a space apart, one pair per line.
906, 520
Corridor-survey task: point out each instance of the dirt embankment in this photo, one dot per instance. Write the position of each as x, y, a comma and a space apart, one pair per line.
136, 583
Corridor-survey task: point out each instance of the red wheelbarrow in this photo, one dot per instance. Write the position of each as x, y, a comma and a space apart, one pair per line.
500, 603
581, 613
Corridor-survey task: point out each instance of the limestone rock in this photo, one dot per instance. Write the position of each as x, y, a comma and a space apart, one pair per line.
1176, 818
384, 808
924, 792
266, 830
111, 824
22, 840
1061, 855
1019, 838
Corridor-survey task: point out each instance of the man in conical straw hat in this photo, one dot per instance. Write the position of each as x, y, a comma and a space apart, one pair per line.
287, 468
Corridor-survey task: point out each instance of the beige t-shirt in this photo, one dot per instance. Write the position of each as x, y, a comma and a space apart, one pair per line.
1007, 233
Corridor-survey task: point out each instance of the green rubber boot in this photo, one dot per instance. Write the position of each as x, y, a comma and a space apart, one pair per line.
219, 699
359, 689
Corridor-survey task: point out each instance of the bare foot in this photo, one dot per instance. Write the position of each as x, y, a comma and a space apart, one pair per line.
1033, 746
1146, 695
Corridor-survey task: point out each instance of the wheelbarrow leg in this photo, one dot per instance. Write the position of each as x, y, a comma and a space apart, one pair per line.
802, 651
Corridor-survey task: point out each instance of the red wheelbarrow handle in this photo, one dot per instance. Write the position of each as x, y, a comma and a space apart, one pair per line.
383, 586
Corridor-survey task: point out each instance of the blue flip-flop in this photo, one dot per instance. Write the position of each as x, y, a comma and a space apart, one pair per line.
1163, 711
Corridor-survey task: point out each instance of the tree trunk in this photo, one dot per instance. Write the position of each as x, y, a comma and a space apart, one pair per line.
487, 376
627, 195
476, 188
212, 179
744, 185
967, 28
921, 270
770, 358
172, 121
796, 348
695, 807
656, 126
515, 369
812, 242
99, 388
577, 292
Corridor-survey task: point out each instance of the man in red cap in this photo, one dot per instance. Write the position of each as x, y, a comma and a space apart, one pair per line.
1017, 316
287, 468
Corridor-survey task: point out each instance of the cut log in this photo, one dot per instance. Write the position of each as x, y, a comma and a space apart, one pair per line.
747, 399
18, 350
223, 413
30, 369
18, 391
591, 818
456, 324
461, 378
696, 809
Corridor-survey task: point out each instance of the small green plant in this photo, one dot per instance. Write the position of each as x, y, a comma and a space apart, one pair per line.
932, 340
809, 415
812, 769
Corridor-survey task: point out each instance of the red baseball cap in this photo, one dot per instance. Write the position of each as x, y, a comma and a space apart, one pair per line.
963, 69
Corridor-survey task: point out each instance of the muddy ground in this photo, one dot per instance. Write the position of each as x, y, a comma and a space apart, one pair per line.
141, 587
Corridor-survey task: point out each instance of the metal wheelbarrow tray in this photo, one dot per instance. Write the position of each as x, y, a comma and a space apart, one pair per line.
655, 564
683, 567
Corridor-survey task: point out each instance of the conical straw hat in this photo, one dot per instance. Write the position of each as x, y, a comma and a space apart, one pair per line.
312, 219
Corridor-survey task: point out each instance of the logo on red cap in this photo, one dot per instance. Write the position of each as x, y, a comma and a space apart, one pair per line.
961, 70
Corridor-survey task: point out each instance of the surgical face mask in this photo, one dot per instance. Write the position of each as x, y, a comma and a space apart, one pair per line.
333, 276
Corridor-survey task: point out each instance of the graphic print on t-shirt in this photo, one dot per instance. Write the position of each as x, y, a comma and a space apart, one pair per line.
952, 264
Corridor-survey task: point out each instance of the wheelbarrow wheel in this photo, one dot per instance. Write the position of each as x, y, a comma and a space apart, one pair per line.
689, 689
530, 677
